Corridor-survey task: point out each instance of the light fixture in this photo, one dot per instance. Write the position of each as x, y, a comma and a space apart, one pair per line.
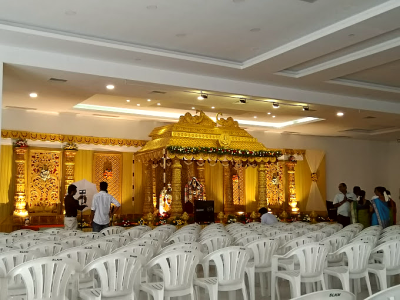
33, 95
273, 116
275, 105
128, 100
110, 87
255, 117
268, 113
306, 108
138, 104
212, 107
243, 100
193, 107
148, 100
202, 96
340, 114
158, 104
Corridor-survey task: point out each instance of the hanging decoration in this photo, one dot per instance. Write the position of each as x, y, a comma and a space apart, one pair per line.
222, 151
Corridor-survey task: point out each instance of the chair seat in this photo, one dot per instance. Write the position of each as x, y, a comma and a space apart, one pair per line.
203, 282
90, 294
288, 274
333, 270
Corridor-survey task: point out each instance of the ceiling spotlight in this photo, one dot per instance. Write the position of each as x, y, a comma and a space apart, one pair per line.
138, 104
243, 100
255, 117
275, 105
33, 95
202, 96
148, 100
273, 116
110, 87
306, 108
128, 100
212, 107
268, 113
340, 114
193, 107
158, 104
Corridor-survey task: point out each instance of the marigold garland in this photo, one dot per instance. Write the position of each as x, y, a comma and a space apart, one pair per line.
222, 151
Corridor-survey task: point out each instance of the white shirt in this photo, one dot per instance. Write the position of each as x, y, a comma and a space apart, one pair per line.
101, 207
344, 209
268, 219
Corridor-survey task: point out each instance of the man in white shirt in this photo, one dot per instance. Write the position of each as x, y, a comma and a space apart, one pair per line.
342, 202
100, 215
267, 218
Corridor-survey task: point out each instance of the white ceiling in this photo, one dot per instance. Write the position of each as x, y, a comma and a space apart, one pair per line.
342, 47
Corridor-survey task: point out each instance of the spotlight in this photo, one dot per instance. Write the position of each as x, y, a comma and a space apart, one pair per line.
110, 87
275, 105
202, 96
306, 108
340, 114
33, 95
243, 100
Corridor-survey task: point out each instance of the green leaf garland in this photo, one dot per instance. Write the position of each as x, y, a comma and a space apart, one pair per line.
222, 151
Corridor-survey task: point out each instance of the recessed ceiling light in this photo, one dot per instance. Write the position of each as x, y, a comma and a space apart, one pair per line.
269, 113
158, 104
212, 107
151, 7
148, 100
202, 96
340, 114
193, 107
273, 116
255, 117
275, 105
70, 13
33, 95
180, 35
110, 87
138, 104
255, 29
128, 100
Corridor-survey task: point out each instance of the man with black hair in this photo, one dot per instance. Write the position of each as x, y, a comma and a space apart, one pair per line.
267, 218
101, 212
71, 208
342, 202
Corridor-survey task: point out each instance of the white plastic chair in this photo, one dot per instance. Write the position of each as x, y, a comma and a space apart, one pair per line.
311, 259
392, 237
160, 235
182, 246
328, 230
54, 230
297, 242
243, 241
90, 236
334, 243
34, 235
147, 251
26, 243
133, 233
366, 238
263, 250
328, 294
144, 228
272, 232
215, 243
72, 241
390, 260
184, 237
48, 248
392, 293
112, 230
72, 233
106, 246
6, 248
8, 240
177, 270
54, 237
231, 264
47, 278
20, 233
121, 240
317, 235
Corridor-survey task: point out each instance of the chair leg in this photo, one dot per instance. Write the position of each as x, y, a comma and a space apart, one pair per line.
295, 289
244, 291
252, 283
308, 288
262, 283
232, 295
273, 286
368, 284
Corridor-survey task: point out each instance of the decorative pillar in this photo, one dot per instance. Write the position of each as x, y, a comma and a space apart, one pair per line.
20, 196
291, 164
176, 205
69, 165
262, 187
228, 189
148, 189
201, 176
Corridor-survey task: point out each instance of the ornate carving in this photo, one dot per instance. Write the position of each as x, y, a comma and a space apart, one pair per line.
176, 206
148, 189
20, 196
201, 177
69, 165
44, 181
202, 119
314, 177
111, 162
292, 185
225, 140
262, 195
228, 189
34, 136
229, 122
272, 182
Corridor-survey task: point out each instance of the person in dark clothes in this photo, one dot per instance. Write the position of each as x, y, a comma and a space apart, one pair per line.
71, 208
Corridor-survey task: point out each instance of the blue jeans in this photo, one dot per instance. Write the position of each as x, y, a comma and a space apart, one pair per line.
97, 227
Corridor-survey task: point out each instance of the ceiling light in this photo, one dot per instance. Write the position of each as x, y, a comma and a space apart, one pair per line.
340, 114
148, 100
273, 116
128, 100
33, 95
306, 108
202, 96
255, 117
269, 113
158, 104
243, 100
275, 105
110, 87
193, 107
212, 107
138, 104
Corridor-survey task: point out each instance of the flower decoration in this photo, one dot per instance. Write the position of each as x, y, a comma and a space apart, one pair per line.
222, 151
142, 222
21, 143
231, 219
70, 146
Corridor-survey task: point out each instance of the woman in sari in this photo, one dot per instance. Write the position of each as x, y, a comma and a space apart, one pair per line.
380, 208
363, 207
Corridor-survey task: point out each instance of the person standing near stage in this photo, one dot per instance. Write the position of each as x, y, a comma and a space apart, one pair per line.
342, 202
101, 212
71, 208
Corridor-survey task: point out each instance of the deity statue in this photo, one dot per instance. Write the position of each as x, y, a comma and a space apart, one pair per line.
165, 199
194, 191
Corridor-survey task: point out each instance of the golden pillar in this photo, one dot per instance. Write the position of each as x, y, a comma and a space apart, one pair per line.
292, 185
201, 176
20, 196
69, 166
228, 189
176, 205
262, 186
148, 189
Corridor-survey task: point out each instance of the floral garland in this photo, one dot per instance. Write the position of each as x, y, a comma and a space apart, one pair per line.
70, 146
222, 151
21, 143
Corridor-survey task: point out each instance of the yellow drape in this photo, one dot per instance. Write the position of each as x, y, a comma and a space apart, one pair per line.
139, 188
84, 165
127, 180
303, 183
251, 184
7, 185
215, 185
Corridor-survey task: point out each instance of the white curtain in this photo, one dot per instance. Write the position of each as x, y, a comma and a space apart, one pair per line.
315, 201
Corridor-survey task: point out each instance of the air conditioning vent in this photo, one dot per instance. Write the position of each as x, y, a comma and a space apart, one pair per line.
57, 80
158, 92
22, 108
369, 117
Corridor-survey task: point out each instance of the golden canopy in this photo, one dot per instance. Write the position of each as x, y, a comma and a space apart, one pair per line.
199, 137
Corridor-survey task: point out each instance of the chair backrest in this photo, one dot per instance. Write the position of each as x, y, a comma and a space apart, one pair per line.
328, 294
243, 241
391, 254
144, 228
6, 248
54, 237
269, 232
228, 259
215, 243
72, 233
334, 243
46, 278
301, 231
120, 239
21, 232
182, 246
112, 230
107, 246
34, 235
318, 235
283, 238
366, 238
311, 258
158, 234
242, 233
392, 293
209, 233
328, 230
156, 243
48, 248
263, 250
392, 237
184, 237
8, 240
146, 250
178, 268
133, 233
13, 258
358, 254
54, 230
72, 241
119, 273
91, 236
348, 234
300, 241
26, 243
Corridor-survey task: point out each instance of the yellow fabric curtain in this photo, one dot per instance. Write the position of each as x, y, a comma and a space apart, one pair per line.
215, 185
127, 192
139, 188
251, 184
303, 183
7, 185
84, 165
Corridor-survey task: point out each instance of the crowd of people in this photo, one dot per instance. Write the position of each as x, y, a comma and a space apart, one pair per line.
353, 207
